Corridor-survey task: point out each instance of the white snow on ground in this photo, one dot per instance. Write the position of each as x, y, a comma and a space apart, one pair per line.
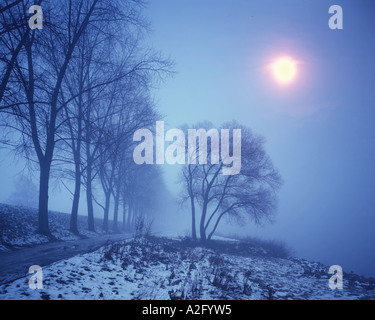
18, 225
160, 268
168, 267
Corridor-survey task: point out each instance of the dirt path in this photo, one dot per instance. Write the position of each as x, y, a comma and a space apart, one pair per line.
15, 264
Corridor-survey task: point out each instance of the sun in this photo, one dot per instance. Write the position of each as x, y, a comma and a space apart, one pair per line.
284, 70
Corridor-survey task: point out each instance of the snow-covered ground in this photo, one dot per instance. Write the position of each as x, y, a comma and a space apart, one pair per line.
161, 268
18, 225
166, 267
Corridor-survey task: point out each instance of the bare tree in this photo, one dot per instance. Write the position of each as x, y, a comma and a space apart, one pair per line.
135, 111
248, 194
189, 181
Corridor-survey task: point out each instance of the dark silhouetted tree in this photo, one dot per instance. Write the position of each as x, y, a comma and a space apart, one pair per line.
250, 194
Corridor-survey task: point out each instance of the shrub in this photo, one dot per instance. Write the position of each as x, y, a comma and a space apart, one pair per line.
274, 248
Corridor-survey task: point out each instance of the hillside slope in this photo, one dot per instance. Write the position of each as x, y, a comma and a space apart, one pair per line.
163, 269
18, 225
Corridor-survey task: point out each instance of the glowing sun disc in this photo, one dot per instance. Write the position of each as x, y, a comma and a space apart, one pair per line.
284, 70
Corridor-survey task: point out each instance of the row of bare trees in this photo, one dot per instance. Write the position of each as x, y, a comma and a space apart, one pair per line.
72, 95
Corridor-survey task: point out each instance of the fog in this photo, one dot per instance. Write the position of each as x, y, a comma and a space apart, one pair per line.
319, 131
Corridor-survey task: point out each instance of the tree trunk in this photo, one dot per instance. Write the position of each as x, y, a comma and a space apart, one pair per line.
215, 227
115, 214
77, 159
77, 192
90, 206
202, 228
191, 195
193, 227
43, 226
89, 200
205, 205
